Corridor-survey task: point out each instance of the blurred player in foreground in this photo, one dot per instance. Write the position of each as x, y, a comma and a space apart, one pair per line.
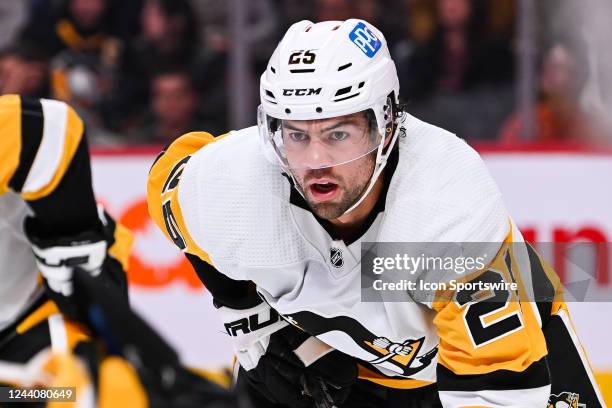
57, 331
124, 363
273, 216
49, 223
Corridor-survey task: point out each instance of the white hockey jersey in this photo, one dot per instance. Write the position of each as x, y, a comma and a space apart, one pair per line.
18, 271
222, 200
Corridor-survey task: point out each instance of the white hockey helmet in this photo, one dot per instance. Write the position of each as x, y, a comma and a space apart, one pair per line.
327, 70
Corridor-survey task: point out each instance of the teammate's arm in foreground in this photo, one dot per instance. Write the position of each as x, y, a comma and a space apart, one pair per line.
45, 160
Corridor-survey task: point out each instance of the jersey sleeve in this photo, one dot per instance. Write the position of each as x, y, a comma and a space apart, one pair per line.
40, 139
45, 159
163, 188
492, 349
568, 362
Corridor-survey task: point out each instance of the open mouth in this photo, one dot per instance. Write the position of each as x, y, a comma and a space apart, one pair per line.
322, 191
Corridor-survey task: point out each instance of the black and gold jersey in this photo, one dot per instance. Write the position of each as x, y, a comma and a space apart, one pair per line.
39, 141
45, 175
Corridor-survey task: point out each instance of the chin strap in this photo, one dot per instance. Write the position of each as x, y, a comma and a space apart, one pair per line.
381, 161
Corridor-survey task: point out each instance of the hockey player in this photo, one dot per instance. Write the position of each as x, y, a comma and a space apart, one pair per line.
279, 212
49, 223
75, 330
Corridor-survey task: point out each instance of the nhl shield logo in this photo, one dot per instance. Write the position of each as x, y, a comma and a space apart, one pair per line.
336, 258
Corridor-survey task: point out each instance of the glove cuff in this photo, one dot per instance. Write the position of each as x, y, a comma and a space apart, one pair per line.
250, 330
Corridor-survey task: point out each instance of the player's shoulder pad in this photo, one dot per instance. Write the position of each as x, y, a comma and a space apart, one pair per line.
163, 184
236, 205
442, 190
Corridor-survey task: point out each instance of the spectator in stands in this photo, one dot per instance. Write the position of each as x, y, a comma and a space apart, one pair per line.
559, 116
24, 70
169, 30
78, 25
460, 74
174, 108
169, 34
326, 10
83, 39
392, 24
458, 55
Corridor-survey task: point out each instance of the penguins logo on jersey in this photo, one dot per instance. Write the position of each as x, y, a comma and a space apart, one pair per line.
401, 354
405, 355
565, 400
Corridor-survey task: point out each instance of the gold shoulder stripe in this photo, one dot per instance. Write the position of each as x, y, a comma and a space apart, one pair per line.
10, 142
162, 190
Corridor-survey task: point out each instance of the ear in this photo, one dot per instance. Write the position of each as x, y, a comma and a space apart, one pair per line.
389, 134
388, 139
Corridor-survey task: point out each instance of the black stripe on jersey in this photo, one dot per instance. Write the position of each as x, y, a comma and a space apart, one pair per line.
228, 292
32, 123
20, 348
543, 289
175, 174
536, 375
567, 369
159, 156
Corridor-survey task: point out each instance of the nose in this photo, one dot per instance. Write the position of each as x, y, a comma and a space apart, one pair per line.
317, 155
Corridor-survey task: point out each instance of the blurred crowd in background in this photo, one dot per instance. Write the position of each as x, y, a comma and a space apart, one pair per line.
146, 71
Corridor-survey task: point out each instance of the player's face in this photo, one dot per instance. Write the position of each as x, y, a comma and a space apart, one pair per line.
309, 145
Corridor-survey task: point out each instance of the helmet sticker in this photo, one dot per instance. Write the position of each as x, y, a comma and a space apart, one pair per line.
365, 40
302, 57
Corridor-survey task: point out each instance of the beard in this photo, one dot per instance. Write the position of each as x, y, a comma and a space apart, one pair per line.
350, 189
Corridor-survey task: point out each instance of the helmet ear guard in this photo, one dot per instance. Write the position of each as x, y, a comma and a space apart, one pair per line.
385, 149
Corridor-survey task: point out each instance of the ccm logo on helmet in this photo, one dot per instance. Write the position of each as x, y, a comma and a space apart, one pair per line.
302, 92
365, 40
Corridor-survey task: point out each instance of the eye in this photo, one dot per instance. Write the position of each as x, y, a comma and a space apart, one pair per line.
338, 136
298, 136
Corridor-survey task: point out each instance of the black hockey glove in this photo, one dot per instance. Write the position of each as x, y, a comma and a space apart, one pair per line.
56, 258
298, 370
